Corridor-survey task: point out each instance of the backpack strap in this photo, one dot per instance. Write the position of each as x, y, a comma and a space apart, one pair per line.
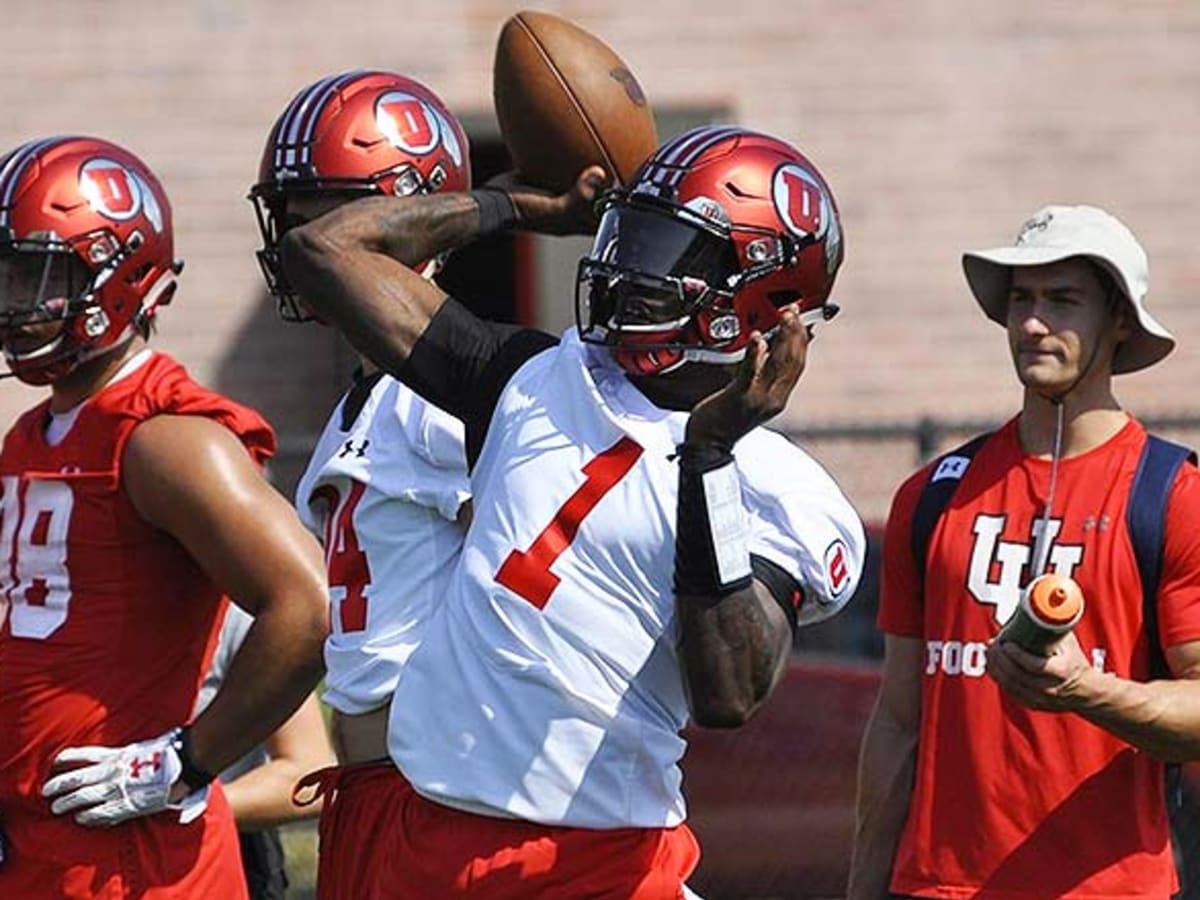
1146, 518
936, 494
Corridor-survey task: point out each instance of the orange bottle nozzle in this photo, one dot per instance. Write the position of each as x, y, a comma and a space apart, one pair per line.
1054, 599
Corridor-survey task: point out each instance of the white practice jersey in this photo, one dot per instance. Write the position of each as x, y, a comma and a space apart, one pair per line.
383, 490
548, 686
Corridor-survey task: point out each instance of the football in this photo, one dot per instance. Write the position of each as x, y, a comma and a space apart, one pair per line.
565, 100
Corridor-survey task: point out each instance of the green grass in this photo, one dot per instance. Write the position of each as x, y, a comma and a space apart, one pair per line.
300, 848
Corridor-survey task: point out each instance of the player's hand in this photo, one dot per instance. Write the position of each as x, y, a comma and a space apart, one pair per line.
759, 389
1057, 682
571, 213
105, 786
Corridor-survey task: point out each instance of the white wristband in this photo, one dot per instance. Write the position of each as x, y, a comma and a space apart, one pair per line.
727, 523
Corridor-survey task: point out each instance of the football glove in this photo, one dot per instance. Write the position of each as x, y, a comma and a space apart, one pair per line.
115, 784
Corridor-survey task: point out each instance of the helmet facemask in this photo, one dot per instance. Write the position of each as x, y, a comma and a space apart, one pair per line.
661, 283
44, 280
270, 202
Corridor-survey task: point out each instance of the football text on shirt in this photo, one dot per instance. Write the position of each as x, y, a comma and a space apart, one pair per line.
1009, 560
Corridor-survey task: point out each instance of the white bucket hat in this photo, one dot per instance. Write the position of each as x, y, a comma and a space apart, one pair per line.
1056, 233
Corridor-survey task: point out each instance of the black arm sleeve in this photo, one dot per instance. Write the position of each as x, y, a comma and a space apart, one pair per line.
783, 587
461, 363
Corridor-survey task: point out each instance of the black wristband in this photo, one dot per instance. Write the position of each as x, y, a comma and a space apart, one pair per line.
192, 775
781, 586
711, 558
497, 212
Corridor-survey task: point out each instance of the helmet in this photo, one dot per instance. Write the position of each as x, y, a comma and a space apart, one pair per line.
357, 133
716, 232
90, 209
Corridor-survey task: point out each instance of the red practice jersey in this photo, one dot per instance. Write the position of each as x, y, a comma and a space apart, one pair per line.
1009, 801
109, 622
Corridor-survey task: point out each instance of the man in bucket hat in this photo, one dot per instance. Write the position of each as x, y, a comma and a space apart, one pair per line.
989, 771
1059, 234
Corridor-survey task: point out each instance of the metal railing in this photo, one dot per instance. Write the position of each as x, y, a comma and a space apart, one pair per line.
929, 434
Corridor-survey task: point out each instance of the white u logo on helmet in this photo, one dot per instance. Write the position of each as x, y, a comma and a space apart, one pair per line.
800, 201
805, 208
407, 122
110, 189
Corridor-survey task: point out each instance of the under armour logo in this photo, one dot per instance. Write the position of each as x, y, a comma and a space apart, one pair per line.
136, 765
1091, 523
360, 451
950, 467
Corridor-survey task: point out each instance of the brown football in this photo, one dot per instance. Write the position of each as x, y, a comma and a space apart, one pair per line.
565, 100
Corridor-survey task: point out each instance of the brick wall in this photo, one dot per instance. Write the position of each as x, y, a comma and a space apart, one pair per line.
940, 124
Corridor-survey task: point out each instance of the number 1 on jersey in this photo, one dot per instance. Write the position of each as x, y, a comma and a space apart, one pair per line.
527, 573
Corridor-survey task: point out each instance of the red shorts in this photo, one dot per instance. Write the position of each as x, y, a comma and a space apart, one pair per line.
429, 852
361, 809
154, 858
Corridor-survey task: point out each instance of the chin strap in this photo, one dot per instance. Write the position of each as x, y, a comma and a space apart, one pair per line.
1041, 547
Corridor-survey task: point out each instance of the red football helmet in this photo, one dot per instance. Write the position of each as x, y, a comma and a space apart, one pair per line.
716, 232
87, 221
356, 133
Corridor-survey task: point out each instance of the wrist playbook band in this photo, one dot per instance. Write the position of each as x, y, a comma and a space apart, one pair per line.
497, 212
711, 533
192, 775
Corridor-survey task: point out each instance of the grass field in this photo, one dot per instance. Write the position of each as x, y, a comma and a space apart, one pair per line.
300, 847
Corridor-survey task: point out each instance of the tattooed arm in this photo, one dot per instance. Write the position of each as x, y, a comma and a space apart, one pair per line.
352, 265
734, 639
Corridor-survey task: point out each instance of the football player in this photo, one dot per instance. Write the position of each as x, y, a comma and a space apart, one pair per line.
386, 486
640, 549
131, 503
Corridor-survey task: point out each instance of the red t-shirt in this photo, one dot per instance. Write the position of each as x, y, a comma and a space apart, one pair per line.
107, 622
1009, 801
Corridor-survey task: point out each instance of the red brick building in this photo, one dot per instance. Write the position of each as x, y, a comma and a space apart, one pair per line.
940, 125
